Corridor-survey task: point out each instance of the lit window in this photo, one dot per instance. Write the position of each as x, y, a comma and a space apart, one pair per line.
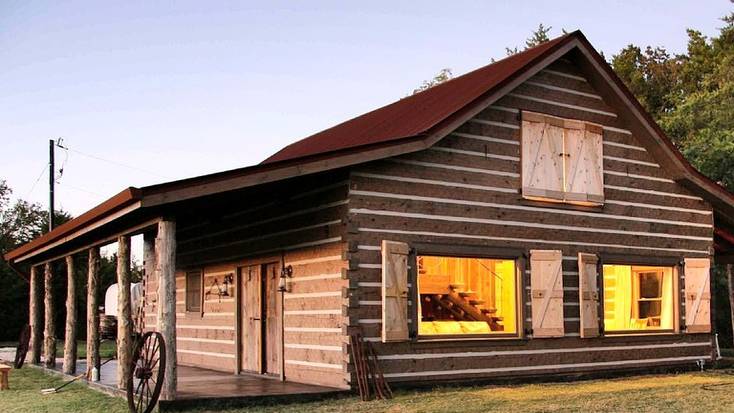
193, 291
466, 296
562, 160
638, 298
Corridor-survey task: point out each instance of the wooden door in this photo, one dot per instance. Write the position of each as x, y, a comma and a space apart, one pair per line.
272, 321
251, 310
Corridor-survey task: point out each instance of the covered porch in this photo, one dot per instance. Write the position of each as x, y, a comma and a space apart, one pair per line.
199, 387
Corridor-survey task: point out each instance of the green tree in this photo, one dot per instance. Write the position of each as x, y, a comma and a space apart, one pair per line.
691, 96
21, 222
440, 77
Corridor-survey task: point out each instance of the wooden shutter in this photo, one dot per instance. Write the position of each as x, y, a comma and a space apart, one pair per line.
588, 295
546, 283
584, 163
698, 295
542, 166
394, 291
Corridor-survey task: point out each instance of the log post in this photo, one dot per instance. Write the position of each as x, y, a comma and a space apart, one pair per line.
151, 284
166, 263
49, 331
35, 317
70, 335
93, 313
124, 312
730, 277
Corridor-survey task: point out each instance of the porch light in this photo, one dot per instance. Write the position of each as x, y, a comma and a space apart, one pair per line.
285, 273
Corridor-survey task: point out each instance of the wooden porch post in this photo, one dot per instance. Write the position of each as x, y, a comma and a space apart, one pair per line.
70, 336
149, 268
124, 312
166, 262
93, 313
49, 331
35, 317
730, 277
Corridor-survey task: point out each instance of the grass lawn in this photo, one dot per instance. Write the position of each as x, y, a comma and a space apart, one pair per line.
690, 392
25, 395
107, 349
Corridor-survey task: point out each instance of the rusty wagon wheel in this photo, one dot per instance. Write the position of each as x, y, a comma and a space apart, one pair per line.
22, 350
146, 374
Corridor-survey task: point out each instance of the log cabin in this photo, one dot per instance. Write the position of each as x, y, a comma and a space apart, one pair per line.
526, 219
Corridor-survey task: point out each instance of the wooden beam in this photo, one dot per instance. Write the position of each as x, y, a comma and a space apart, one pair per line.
70, 336
49, 331
124, 312
166, 275
35, 317
93, 314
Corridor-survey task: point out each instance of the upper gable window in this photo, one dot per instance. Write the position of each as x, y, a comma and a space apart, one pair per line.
561, 160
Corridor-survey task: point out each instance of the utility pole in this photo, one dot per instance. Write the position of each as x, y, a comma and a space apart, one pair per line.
51, 179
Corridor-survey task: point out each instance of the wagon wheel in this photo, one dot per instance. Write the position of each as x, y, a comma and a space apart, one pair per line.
22, 349
146, 374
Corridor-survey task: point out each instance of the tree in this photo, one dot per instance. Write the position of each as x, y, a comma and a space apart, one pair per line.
19, 223
691, 96
442, 76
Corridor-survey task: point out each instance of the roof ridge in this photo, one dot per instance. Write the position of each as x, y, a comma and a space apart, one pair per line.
387, 123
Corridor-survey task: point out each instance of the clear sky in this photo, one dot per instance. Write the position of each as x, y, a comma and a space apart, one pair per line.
187, 88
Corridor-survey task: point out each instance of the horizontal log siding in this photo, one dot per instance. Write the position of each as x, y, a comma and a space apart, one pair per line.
302, 223
313, 318
207, 339
466, 190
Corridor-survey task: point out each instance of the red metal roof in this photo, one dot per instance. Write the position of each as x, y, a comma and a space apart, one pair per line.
416, 114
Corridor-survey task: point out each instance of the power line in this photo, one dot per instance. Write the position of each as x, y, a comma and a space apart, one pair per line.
99, 158
37, 179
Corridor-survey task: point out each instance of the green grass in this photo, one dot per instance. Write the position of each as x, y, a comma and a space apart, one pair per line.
107, 349
668, 393
25, 395
690, 392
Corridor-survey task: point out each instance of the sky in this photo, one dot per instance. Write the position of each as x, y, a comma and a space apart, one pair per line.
146, 92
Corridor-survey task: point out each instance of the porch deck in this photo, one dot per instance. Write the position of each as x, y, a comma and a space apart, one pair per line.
198, 387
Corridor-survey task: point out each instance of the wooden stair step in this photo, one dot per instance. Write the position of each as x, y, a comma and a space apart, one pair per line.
465, 294
476, 302
489, 310
456, 286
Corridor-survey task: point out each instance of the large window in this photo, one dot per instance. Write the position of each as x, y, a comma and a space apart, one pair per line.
561, 160
193, 291
466, 296
638, 298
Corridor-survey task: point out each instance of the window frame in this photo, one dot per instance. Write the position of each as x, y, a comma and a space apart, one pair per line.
564, 123
187, 303
675, 263
466, 251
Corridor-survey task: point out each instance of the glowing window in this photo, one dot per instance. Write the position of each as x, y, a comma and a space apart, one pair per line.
638, 298
466, 296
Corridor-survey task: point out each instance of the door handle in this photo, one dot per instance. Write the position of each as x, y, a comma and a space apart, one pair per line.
254, 319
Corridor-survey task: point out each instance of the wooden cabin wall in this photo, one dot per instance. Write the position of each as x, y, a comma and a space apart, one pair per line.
207, 338
300, 223
314, 339
466, 188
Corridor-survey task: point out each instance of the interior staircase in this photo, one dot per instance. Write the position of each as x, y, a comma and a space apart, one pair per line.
464, 305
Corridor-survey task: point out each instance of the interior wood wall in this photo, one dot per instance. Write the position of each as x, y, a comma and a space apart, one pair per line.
465, 190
